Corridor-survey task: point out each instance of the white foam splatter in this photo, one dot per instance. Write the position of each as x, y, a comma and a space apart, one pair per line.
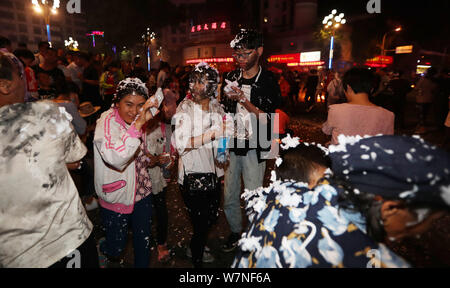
288, 142
410, 192
445, 194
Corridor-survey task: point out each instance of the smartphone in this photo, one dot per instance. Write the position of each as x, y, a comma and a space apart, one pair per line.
159, 97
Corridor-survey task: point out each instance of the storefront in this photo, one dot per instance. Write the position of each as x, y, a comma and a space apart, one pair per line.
302, 62
222, 64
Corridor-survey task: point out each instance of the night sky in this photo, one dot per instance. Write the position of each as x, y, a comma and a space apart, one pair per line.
423, 22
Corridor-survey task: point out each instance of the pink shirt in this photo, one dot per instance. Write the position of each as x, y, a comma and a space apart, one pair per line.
352, 119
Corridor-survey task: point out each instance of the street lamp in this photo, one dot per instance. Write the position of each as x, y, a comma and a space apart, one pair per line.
71, 44
148, 37
333, 22
383, 51
46, 7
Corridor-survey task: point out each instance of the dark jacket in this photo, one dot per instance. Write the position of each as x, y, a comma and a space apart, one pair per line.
266, 96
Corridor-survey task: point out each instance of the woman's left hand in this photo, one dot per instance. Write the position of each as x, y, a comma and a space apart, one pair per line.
145, 114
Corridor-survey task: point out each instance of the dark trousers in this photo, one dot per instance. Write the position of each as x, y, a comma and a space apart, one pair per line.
162, 218
203, 209
87, 253
116, 226
310, 97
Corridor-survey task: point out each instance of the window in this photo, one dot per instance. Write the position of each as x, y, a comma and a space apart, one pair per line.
23, 38
214, 51
12, 38
7, 26
7, 3
37, 30
37, 39
23, 28
6, 15
21, 17
174, 30
198, 52
174, 40
36, 20
19, 5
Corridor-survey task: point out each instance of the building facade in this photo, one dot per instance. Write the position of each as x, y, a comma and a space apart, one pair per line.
21, 24
287, 26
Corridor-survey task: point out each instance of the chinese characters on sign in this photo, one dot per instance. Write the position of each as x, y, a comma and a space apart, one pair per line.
209, 27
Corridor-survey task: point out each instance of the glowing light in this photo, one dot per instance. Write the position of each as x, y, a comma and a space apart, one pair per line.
210, 60
71, 44
207, 27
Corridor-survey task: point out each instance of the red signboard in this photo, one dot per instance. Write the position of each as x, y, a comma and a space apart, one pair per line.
210, 60
101, 33
381, 60
285, 58
205, 27
310, 63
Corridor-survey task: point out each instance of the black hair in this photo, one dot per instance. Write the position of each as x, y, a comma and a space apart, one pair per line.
4, 42
42, 44
113, 64
6, 67
368, 205
130, 86
164, 65
207, 73
361, 80
84, 56
24, 53
247, 39
300, 162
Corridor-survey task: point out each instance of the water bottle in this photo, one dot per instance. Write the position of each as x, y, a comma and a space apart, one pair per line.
221, 156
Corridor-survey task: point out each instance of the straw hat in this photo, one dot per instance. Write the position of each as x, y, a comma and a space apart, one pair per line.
87, 109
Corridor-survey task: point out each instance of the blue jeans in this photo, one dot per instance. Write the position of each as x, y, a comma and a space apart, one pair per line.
253, 175
116, 226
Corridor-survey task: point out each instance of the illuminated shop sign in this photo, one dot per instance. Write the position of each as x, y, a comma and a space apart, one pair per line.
380, 60
209, 26
309, 63
284, 58
99, 33
210, 60
310, 56
404, 49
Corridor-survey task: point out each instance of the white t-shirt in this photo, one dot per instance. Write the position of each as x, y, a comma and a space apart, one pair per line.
42, 218
192, 121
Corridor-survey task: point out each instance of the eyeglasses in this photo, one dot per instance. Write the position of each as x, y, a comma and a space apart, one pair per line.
243, 55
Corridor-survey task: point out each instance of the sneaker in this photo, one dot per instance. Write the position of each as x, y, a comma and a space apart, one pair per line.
207, 256
231, 243
163, 253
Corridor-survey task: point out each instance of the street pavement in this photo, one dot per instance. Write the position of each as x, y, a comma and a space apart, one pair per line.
432, 250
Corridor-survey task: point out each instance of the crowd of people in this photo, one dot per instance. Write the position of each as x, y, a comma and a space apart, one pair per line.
83, 131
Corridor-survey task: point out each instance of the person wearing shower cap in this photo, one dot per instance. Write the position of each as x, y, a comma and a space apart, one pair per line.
381, 188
